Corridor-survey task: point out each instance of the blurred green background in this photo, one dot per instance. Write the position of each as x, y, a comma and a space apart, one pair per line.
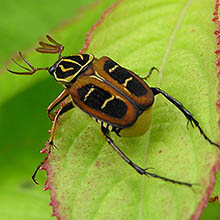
23, 120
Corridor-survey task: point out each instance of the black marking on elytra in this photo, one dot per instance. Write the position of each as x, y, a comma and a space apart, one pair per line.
115, 108
120, 75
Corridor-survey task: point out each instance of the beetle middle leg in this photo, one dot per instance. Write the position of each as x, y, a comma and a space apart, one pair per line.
56, 102
187, 113
140, 170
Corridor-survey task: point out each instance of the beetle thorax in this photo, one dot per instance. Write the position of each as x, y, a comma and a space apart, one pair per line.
67, 69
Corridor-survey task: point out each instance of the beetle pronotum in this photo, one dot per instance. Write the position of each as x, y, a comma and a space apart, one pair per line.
115, 97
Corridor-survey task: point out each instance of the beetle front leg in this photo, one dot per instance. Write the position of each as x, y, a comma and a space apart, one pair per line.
140, 170
56, 102
68, 106
187, 113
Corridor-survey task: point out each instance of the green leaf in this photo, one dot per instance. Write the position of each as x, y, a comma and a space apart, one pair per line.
87, 178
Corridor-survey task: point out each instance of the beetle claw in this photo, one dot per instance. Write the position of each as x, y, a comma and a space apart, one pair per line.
191, 122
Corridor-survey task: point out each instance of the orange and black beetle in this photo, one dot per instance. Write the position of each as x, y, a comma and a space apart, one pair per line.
118, 99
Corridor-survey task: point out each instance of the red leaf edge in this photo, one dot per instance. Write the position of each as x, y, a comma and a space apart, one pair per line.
216, 167
205, 199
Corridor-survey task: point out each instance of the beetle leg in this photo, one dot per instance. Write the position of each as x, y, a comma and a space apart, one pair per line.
140, 170
187, 113
38, 168
68, 106
150, 72
56, 102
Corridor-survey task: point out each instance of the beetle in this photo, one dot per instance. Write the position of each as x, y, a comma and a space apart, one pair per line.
118, 99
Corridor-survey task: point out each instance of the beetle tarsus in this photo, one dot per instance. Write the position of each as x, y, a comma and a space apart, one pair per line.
35, 173
150, 72
204, 135
169, 180
49, 146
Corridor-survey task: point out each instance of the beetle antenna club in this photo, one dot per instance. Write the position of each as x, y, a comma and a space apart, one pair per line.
55, 47
118, 99
29, 71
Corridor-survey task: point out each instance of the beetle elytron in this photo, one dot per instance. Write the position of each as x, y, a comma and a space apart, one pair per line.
115, 97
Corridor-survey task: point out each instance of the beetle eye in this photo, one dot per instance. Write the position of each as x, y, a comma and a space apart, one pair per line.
52, 69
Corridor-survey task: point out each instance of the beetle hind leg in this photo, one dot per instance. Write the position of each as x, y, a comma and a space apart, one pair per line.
140, 170
187, 113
